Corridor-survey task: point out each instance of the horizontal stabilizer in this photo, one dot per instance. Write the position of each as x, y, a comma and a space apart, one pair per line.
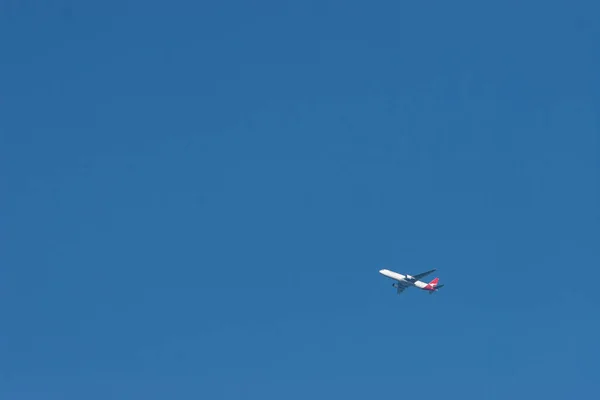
435, 289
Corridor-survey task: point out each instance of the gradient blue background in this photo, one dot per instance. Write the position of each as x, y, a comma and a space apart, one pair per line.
197, 197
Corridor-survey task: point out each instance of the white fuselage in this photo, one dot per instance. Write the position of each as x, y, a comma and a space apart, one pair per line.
402, 278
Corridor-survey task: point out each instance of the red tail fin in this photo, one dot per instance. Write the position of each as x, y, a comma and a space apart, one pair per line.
434, 282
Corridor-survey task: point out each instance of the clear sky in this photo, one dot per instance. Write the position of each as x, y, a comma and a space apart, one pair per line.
197, 197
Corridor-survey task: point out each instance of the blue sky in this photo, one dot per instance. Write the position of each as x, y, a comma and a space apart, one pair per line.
197, 198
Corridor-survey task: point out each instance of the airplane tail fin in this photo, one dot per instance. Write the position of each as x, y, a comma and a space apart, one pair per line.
434, 282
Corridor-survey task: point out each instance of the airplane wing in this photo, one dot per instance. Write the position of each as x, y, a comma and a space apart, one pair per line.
423, 274
400, 287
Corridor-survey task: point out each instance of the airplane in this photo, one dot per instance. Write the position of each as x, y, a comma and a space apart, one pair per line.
406, 281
